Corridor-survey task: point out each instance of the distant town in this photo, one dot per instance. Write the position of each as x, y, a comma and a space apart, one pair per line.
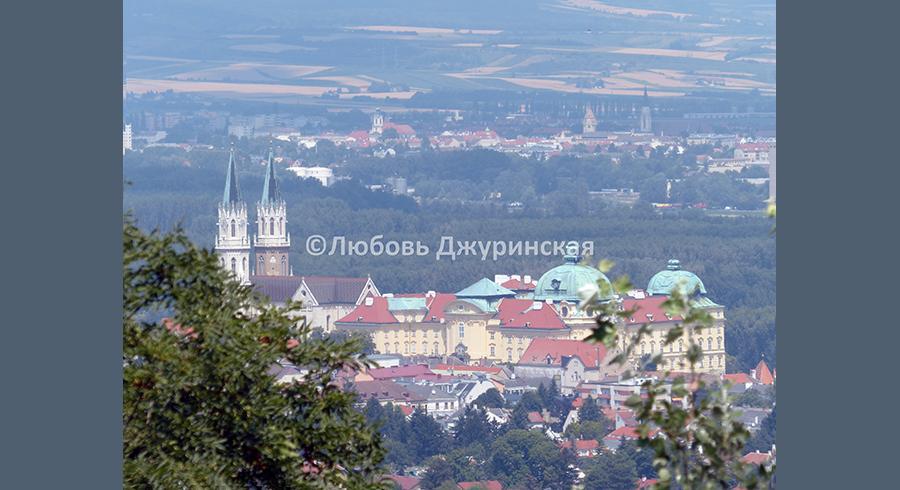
639, 130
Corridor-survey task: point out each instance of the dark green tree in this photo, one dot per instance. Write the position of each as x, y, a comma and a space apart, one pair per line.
427, 436
764, 438
199, 407
490, 399
519, 417
529, 459
642, 457
438, 471
473, 427
590, 412
588, 430
611, 471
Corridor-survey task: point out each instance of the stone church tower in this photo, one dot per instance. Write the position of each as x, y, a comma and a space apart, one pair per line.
272, 241
646, 122
377, 122
589, 123
232, 240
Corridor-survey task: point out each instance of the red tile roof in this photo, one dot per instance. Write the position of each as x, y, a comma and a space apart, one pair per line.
626, 432
738, 378
377, 312
756, 458
763, 375
646, 483
402, 129
535, 418
386, 390
406, 482
436, 306
521, 313
611, 414
488, 484
408, 371
466, 368
591, 355
651, 305
581, 444
517, 285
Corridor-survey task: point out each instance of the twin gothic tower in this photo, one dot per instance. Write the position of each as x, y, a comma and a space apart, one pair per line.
271, 243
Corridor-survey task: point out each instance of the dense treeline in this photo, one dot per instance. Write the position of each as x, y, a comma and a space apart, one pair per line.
735, 257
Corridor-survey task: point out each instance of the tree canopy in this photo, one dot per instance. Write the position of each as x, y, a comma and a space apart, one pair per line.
200, 408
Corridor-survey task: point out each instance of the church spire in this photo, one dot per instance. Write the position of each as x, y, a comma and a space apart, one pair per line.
232, 192
270, 186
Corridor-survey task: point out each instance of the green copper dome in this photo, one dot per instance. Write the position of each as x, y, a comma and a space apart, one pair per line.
563, 281
663, 282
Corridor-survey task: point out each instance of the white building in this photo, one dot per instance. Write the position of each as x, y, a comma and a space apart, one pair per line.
127, 143
324, 175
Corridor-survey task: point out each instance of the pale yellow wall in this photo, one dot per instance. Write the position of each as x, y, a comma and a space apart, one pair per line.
397, 339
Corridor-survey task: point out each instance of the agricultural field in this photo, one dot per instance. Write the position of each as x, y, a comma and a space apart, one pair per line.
672, 47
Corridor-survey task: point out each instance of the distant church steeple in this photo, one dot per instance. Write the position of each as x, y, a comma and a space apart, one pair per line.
377, 122
232, 240
646, 122
589, 124
272, 241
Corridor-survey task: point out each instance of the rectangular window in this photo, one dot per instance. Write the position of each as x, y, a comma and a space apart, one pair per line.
462, 330
492, 351
492, 335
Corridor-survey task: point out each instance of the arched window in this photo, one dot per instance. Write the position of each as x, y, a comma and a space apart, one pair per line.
280, 226
245, 264
565, 311
233, 264
493, 350
272, 226
412, 347
424, 347
233, 229
435, 346
709, 343
701, 361
719, 340
387, 347
397, 347
284, 266
652, 347
680, 345
509, 354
